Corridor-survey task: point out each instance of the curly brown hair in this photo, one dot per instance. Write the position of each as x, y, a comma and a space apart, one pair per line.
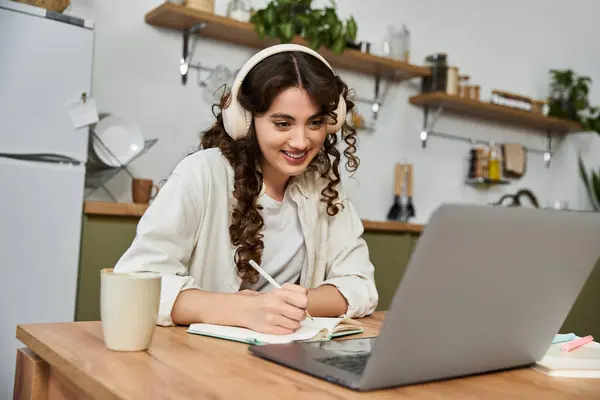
260, 87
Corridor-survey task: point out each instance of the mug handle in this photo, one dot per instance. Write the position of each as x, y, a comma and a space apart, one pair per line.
154, 186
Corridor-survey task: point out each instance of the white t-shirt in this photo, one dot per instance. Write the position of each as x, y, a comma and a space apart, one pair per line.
284, 253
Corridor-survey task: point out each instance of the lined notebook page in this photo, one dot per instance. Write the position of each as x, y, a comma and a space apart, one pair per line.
308, 329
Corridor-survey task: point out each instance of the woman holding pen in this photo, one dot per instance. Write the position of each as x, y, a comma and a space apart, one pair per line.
263, 189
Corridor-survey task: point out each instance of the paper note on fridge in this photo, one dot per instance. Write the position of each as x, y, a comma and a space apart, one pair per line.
82, 113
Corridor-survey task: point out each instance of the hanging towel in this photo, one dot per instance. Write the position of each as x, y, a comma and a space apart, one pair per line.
515, 158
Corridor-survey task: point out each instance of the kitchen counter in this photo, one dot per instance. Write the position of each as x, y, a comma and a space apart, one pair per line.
391, 226
137, 210
114, 209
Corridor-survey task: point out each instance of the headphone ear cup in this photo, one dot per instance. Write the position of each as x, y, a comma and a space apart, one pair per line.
340, 112
247, 117
236, 120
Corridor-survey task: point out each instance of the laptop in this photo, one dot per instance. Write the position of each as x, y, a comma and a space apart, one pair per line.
486, 289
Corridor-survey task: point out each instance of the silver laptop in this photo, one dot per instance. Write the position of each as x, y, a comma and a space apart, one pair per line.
486, 289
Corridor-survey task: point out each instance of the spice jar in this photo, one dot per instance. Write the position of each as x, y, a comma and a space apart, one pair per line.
452, 81
464, 89
474, 92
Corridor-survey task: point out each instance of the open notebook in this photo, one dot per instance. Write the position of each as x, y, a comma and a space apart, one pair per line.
582, 362
319, 329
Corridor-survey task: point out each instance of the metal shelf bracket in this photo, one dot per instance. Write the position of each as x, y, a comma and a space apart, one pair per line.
377, 100
548, 152
186, 58
429, 130
429, 125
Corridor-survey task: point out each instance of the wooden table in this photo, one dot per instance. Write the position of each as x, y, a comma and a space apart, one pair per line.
69, 361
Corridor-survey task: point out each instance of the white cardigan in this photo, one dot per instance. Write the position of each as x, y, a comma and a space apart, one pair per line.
184, 236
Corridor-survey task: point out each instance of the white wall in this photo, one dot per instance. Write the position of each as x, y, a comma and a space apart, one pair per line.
508, 45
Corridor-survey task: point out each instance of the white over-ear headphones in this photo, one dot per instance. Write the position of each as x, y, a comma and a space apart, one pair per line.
237, 120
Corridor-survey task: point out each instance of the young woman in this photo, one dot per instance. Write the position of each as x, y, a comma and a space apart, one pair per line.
265, 186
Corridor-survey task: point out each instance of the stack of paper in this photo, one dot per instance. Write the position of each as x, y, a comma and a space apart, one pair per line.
583, 362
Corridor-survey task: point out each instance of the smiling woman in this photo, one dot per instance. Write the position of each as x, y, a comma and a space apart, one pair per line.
289, 136
265, 187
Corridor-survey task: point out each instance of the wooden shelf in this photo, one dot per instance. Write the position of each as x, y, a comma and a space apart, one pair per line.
114, 209
495, 112
391, 226
173, 16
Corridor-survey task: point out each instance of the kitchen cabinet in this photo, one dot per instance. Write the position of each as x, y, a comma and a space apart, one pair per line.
104, 240
389, 252
584, 318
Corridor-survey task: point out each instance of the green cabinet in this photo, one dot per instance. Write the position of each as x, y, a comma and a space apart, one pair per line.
104, 240
389, 252
584, 318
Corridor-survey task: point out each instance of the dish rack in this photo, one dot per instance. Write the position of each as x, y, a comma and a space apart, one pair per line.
97, 177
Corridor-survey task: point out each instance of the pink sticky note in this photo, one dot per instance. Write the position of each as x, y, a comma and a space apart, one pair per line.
576, 343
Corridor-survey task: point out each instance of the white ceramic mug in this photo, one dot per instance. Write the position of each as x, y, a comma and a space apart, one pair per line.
129, 308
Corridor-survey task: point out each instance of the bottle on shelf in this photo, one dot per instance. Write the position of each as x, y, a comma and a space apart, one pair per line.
495, 164
483, 162
472, 173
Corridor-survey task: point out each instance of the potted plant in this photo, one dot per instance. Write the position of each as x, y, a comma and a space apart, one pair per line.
569, 99
284, 19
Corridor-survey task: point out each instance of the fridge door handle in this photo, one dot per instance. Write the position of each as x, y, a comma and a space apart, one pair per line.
42, 157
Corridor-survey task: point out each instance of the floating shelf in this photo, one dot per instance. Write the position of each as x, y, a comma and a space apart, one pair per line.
485, 181
182, 18
495, 112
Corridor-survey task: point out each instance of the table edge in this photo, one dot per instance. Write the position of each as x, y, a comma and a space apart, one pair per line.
83, 381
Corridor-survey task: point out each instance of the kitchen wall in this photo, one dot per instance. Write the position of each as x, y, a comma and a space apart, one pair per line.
508, 45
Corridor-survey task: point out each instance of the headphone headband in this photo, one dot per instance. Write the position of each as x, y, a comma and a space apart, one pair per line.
237, 120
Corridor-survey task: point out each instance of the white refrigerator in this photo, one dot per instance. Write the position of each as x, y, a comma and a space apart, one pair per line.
45, 60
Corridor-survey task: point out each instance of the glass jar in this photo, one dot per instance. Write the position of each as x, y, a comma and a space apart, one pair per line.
437, 81
396, 43
239, 10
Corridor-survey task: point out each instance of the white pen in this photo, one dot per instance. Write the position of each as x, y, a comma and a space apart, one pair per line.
269, 279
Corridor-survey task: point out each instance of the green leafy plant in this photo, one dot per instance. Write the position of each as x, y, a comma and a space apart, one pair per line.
592, 184
569, 99
284, 19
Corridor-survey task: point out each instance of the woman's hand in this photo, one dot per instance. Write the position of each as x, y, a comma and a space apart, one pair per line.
277, 312
248, 292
